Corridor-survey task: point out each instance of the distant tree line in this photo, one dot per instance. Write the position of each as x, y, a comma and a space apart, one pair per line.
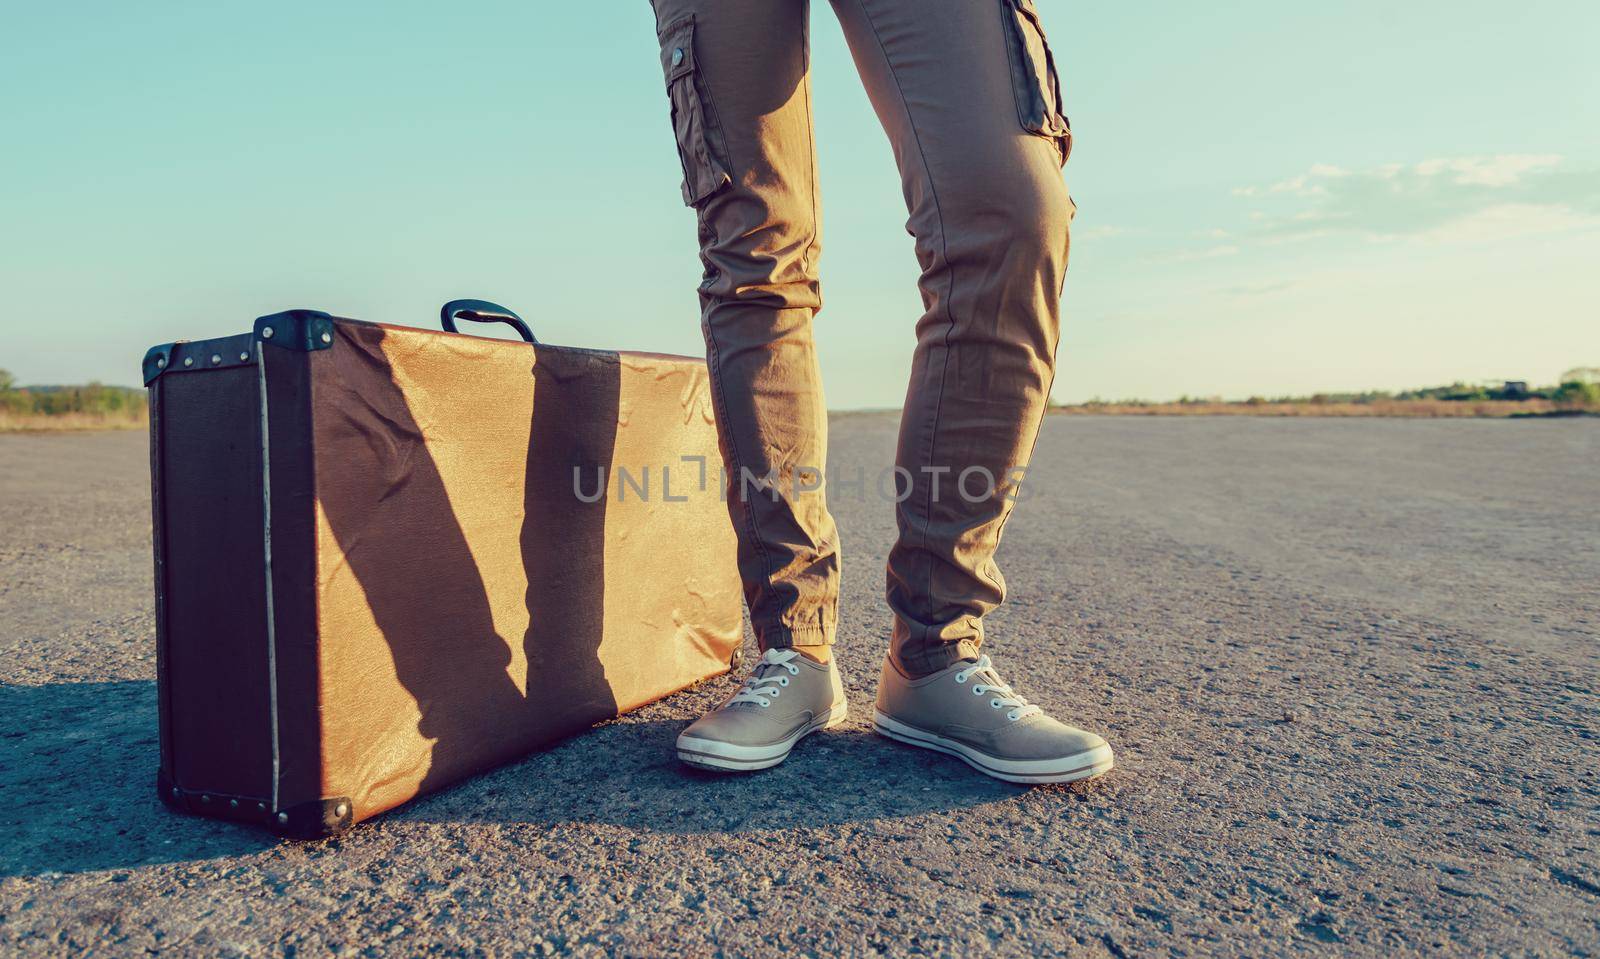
95, 398
1579, 389
1571, 391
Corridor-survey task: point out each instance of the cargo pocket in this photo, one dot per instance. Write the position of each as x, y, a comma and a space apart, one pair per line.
1033, 76
704, 156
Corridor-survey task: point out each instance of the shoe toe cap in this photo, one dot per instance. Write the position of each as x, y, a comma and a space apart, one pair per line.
1047, 738
727, 725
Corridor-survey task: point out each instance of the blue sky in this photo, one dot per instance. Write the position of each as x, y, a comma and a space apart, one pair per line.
1274, 198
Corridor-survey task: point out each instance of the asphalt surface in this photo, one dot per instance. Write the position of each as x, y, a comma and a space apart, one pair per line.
1349, 669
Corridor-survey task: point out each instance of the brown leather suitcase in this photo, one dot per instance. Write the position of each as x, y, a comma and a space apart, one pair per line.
389, 558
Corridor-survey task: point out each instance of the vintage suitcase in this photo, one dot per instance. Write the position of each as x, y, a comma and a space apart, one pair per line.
388, 558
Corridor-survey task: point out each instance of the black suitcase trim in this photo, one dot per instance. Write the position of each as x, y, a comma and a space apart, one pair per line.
302, 330
308, 820
186, 356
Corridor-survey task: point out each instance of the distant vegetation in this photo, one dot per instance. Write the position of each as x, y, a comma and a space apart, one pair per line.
92, 407
1577, 393
100, 407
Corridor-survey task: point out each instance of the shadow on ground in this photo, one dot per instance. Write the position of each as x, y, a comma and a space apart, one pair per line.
77, 784
77, 787
627, 774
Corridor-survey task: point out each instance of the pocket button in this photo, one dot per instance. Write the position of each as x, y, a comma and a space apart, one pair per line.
677, 56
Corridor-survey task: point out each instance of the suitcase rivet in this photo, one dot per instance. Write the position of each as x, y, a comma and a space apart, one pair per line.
340, 810
266, 332
216, 358
327, 337
188, 361
261, 806
243, 357
175, 792
283, 817
233, 804
205, 798
161, 362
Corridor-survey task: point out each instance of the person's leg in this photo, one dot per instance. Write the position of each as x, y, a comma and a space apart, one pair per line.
967, 92
737, 75
968, 96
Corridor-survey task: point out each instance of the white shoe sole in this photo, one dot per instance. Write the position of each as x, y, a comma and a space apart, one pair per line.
727, 757
1084, 765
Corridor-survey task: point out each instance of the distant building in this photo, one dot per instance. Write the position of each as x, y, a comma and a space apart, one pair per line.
1515, 389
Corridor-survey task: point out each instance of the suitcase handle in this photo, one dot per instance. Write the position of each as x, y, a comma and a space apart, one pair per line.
482, 311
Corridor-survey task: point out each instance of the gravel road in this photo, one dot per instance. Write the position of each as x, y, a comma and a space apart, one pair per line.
1349, 668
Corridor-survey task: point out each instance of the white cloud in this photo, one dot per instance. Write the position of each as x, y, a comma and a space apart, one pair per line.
1506, 221
1448, 199
1495, 171
1302, 185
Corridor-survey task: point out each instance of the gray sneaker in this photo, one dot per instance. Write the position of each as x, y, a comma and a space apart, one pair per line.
969, 712
787, 698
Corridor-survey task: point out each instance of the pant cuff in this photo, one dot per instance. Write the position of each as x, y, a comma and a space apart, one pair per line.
784, 637
927, 660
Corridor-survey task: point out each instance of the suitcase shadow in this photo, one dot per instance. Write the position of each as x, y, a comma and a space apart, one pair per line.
76, 796
627, 774
77, 785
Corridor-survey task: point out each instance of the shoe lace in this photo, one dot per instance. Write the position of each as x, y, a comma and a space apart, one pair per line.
766, 682
992, 683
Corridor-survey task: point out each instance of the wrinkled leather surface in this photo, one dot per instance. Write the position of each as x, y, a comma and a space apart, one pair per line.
471, 607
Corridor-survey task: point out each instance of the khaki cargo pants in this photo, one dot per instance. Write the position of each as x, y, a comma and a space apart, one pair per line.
968, 94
